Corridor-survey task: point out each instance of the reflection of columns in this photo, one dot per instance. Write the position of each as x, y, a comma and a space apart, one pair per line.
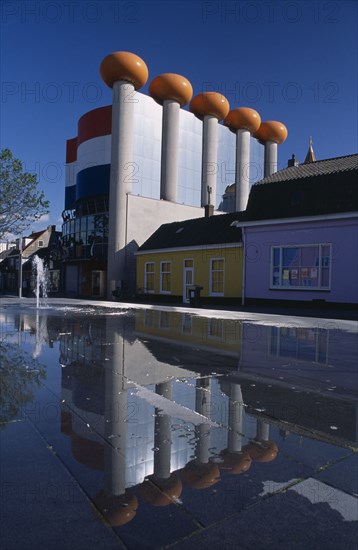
162, 488
162, 435
236, 406
172, 91
210, 107
201, 473
263, 430
262, 449
202, 431
235, 459
124, 72
244, 122
271, 133
117, 503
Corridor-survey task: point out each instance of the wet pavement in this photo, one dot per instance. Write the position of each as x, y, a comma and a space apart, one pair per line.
156, 427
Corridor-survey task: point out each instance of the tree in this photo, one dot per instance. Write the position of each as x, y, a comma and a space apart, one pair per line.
21, 202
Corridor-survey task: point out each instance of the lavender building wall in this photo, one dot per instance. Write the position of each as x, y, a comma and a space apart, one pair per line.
338, 231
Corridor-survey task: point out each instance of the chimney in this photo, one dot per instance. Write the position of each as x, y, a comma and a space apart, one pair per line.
209, 210
292, 162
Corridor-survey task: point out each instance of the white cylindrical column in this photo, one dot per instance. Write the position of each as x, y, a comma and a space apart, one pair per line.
271, 133
124, 72
172, 91
209, 162
202, 431
242, 169
244, 122
170, 151
210, 107
121, 157
263, 430
270, 166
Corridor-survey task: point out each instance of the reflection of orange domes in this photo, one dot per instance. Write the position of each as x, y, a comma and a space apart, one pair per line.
262, 451
66, 422
171, 86
243, 118
161, 492
271, 130
236, 463
211, 104
88, 452
118, 510
200, 476
124, 66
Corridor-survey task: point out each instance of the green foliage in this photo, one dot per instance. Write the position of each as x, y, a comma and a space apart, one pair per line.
21, 202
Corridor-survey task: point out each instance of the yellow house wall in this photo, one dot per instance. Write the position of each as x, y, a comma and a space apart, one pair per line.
232, 272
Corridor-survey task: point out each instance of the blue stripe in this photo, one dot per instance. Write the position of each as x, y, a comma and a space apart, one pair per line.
70, 197
93, 181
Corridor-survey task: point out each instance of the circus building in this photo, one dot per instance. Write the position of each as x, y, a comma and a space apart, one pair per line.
149, 159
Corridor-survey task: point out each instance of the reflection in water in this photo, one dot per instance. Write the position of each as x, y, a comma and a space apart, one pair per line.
157, 402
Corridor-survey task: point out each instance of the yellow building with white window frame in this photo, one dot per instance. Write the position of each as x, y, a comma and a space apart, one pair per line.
205, 253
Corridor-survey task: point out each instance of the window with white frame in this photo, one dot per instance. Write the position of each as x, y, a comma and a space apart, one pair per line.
301, 267
149, 271
165, 277
217, 276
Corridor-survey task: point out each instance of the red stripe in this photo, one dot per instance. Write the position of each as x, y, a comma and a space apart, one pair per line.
95, 123
71, 150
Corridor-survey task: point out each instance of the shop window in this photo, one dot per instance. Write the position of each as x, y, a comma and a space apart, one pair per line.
301, 267
217, 277
165, 277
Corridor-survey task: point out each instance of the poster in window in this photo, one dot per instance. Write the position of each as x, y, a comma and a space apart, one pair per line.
286, 277
294, 273
313, 273
304, 273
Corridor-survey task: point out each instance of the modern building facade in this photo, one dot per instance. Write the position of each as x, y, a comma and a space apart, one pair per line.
165, 164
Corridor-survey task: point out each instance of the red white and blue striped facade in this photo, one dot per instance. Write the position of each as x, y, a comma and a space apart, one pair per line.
88, 155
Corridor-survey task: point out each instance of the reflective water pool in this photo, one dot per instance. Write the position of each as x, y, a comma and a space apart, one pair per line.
170, 423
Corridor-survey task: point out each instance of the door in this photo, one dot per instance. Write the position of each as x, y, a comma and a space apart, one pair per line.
188, 279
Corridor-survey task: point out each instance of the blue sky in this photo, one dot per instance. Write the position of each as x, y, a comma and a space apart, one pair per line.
293, 61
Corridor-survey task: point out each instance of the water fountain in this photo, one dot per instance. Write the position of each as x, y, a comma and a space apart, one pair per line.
40, 272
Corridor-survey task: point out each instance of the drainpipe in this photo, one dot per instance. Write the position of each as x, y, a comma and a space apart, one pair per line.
243, 266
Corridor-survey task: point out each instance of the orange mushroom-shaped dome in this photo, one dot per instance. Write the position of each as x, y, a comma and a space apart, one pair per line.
210, 104
161, 492
262, 451
118, 510
200, 476
124, 66
171, 86
271, 130
235, 463
243, 118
